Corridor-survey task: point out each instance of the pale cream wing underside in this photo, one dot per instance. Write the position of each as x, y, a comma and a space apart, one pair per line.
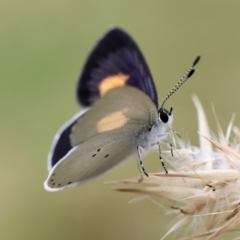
114, 110
88, 160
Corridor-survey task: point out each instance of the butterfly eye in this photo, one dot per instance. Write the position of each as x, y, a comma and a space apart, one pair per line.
164, 115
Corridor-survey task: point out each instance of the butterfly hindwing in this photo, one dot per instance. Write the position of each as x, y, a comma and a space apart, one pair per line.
88, 160
115, 61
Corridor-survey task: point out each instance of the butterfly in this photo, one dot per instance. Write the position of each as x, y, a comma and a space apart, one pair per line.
122, 116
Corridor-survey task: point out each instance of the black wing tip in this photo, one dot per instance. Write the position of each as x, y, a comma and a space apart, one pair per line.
115, 31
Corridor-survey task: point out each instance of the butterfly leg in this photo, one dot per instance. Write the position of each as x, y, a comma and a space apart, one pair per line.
171, 143
160, 157
140, 164
165, 136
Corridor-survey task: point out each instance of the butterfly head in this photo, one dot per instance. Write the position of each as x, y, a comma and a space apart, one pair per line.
165, 116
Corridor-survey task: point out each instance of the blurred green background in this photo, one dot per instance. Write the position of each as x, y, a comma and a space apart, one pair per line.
43, 45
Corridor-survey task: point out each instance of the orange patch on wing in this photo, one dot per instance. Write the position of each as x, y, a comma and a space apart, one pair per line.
112, 121
111, 82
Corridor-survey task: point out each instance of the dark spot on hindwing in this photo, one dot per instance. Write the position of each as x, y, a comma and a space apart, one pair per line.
54, 184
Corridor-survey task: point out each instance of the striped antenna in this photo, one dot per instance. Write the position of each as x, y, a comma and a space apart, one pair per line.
184, 78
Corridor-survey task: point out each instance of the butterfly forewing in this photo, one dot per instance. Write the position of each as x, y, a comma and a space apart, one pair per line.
115, 61
102, 139
120, 106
